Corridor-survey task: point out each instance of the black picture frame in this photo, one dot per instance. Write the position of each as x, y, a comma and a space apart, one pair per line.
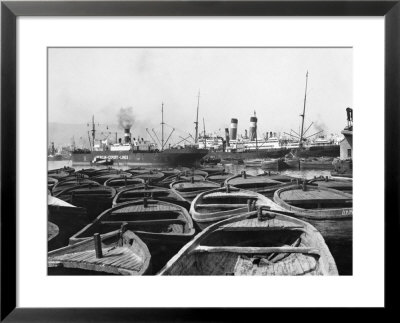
10, 10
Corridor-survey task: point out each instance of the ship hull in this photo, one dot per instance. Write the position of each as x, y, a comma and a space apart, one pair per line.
170, 157
267, 153
320, 151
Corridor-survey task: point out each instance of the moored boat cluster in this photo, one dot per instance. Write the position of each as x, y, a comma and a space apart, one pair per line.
186, 221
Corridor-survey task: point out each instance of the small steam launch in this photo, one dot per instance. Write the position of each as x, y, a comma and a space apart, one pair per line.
135, 151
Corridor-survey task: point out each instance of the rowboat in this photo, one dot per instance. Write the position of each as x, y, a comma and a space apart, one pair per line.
342, 175
344, 185
169, 171
273, 164
138, 170
163, 226
66, 169
101, 178
73, 176
189, 189
167, 181
58, 174
265, 185
292, 163
253, 162
63, 185
138, 192
193, 172
51, 182
316, 163
212, 169
152, 176
222, 203
261, 243
95, 199
118, 252
86, 171
121, 182
314, 202
68, 218
219, 177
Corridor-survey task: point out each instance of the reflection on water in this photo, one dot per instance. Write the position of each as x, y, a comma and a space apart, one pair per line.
338, 235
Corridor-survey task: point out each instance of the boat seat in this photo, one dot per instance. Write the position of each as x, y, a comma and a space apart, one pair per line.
256, 250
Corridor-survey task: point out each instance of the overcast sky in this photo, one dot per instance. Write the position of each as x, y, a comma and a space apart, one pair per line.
233, 82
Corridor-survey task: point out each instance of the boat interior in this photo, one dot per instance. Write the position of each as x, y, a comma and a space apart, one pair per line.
251, 252
155, 220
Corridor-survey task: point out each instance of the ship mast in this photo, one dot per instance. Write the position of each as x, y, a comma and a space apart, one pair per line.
162, 126
197, 119
304, 113
204, 127
256, 133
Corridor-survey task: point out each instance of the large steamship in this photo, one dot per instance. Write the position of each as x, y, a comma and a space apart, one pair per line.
137, 152
251, 147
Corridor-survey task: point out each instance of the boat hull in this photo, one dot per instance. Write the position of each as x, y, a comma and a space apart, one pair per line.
170, 157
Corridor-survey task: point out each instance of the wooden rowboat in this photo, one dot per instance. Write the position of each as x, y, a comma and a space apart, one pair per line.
163, 226
265, 185
189, 189
102, 178
121, 182
256, 243
115, 253
138, 192
219, 177
273, 164
152, 176
66, 169
213, 169
292, 163
316, 163
222, 203
313, 202
63, 185
193, 172
344, 185
68, 218
95, 199
51, 182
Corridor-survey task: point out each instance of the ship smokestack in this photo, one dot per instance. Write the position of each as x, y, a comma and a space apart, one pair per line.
127, 135
233, 134
245, 133
227, 136
253, 128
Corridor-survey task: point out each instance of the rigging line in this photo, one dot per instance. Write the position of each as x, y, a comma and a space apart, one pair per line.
308, 128
314, 134
156, 136
168, 138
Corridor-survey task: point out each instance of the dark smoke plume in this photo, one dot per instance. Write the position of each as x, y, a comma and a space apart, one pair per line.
125, 118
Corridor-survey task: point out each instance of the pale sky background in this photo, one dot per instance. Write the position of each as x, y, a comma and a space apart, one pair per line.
233, 82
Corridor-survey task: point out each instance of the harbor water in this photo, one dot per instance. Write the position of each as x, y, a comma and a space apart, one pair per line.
337, 234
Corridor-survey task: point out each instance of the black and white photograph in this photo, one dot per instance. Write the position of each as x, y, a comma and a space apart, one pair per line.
187, 161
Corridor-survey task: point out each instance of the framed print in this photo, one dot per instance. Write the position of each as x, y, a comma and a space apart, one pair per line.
187, 143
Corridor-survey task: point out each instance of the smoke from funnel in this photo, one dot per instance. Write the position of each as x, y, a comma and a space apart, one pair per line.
125, 118
319, 126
